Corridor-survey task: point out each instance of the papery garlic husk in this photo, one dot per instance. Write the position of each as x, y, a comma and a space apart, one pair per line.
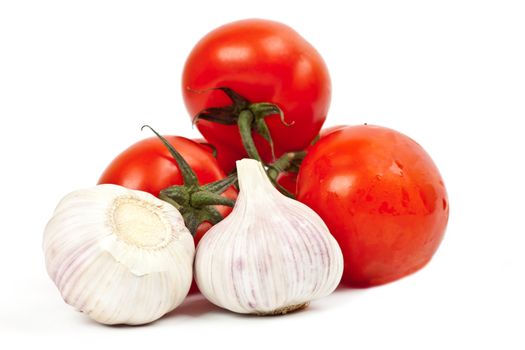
271, 255
119, 255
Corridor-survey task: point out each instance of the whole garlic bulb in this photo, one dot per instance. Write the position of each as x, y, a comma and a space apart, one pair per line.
119, 255
271, 255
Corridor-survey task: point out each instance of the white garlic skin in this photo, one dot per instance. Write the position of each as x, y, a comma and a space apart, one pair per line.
121, 256
271, 255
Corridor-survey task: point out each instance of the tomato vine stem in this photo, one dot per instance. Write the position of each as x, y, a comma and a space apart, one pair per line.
195, 202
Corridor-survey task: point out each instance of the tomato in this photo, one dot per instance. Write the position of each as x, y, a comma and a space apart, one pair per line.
208, 146
227, 157
148, 166
331, 129
288, 179
382, 198
263, 61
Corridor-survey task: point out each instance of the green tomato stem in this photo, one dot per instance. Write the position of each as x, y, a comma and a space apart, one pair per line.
245, 129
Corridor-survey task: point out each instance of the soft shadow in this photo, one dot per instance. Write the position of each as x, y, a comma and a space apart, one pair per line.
269, 316
350, 290
194, 306
88, 321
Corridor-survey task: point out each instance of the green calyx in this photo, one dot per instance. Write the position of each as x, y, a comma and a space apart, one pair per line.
249, 117
195, 202
290, 161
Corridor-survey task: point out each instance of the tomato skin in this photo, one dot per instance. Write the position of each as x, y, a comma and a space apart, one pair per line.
264, 61
331, 129
148, 166
382, 198
227, 157
208, 146
288, 180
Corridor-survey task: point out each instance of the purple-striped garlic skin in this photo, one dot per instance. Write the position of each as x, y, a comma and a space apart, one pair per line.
271, 255
120, 256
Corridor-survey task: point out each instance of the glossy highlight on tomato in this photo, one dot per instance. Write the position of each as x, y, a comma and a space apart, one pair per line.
381, 196
264, 61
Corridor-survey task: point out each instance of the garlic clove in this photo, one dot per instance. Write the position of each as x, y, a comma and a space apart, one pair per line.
121, 256
271, 255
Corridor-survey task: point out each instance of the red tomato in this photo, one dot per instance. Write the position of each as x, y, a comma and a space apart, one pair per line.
148, 166
331, 129
227, 157
288, 180
264, 61
381, 196
209, 147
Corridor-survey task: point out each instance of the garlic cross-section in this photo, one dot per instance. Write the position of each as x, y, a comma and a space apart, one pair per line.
119, 255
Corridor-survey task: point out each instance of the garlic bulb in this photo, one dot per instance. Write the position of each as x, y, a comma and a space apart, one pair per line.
271, 255
119, 255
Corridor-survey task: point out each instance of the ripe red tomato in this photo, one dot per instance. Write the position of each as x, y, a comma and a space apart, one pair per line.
381, 196
148, 166
227, 157
331, 129
263, 61
209, 147
288, 179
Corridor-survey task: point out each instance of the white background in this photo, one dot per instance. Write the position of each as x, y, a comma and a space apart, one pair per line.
78, 79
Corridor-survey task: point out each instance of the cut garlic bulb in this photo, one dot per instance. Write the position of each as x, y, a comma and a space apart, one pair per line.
121, 256
271, 255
